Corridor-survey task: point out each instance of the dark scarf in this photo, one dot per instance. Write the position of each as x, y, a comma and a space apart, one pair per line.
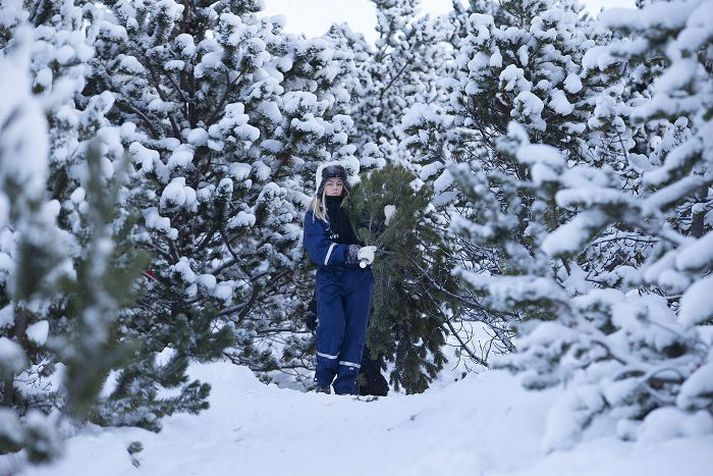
339, 222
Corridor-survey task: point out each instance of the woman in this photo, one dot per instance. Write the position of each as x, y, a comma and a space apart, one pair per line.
343, 283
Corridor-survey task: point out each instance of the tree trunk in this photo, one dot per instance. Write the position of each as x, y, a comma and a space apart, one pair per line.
21, 319
9, 385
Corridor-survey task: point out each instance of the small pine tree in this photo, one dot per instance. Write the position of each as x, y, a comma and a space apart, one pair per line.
409, 303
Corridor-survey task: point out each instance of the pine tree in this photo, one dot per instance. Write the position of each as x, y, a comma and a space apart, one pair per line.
515, 61
400, 70
61, 289
623, 295
407, 326
27, 252
225, 118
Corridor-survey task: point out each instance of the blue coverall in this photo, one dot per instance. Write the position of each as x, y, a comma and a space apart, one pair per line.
343, 303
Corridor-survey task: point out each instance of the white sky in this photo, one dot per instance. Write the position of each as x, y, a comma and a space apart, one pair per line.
313, 17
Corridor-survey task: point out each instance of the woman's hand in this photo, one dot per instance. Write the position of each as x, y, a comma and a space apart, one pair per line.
366, 256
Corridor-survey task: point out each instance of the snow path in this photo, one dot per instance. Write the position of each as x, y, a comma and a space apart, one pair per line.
483, 425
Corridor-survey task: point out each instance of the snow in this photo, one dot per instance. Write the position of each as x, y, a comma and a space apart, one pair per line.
197, 137
670, 422
155, 221
570, 237
43, 79
678, 76
589, 197
564, 421
4, 211
294, 102
675, 160
547, 155
389, 211
509, 289
417, 114
177, 195
23, 142
270, 110
273, 146
206, 281
209, 61
38, 332
485, 424
696, 303
164, 357
176, 65
668, 15
262, 171
673, 281
443, 182
241, 219
240, 171
430, 169
11, 355
573, 84
696, 255
531, 107
699, 384
496, 60
560, 103
514, 79
7, 316
145, 157
77, 195
10, 424
183, 267
310, 124
234, 121
130, 64
224, 291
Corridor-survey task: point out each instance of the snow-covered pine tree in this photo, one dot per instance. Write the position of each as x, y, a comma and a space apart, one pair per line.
410, 300
63, 282
28, 253
521, 63
225, 118
515, 60
60, 70
630, 337
402, 69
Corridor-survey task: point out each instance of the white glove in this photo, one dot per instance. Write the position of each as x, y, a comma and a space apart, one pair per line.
366, 256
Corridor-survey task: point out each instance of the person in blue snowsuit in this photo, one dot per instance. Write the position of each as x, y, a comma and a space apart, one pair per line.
343, 284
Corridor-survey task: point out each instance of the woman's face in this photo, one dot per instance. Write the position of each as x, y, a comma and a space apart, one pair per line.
333, 187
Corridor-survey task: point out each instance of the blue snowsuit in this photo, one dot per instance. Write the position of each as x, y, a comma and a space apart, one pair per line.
343, 303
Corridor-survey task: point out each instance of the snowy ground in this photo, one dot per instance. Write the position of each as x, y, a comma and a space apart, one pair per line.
483, 425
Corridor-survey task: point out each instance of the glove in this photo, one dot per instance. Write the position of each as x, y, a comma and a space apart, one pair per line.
366, 256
